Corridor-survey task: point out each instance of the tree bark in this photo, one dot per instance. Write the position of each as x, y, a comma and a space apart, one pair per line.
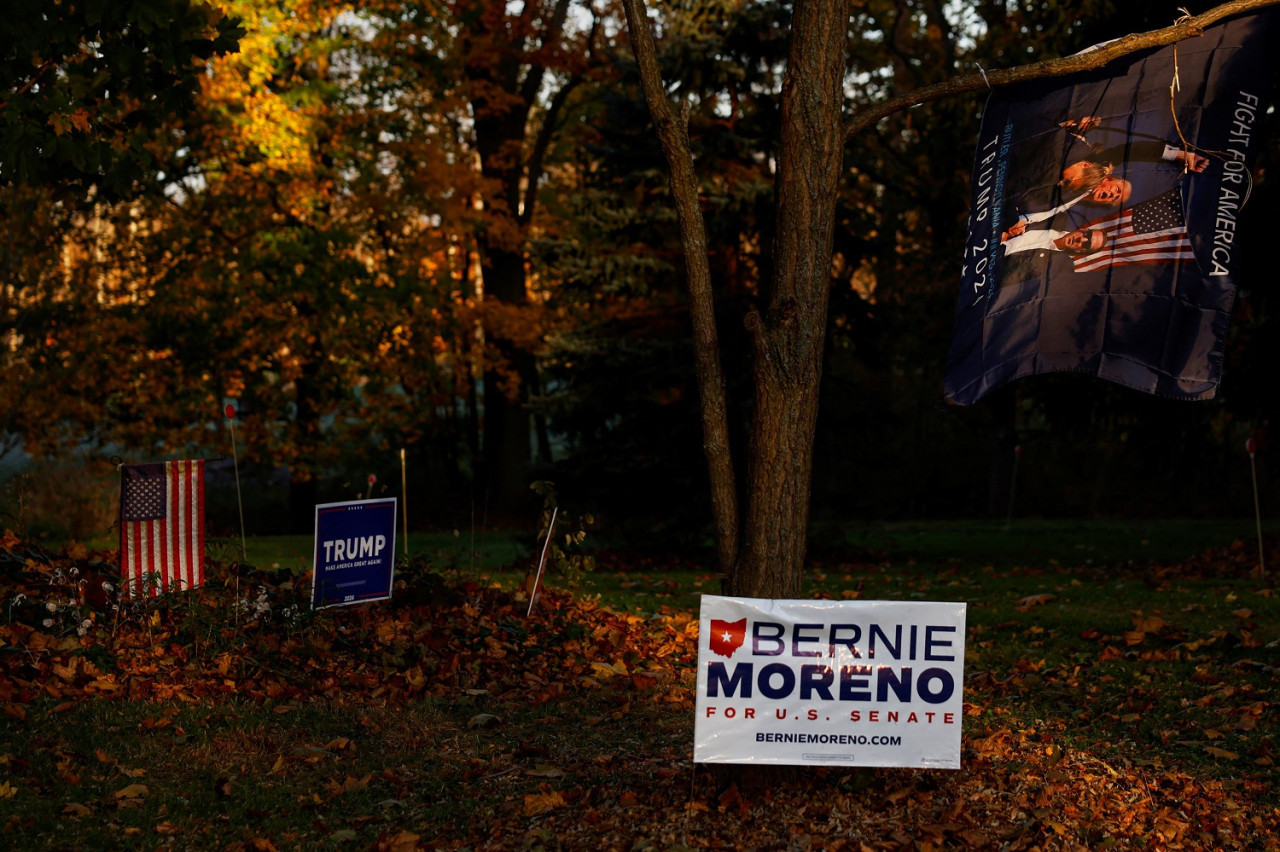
674, 136
505, 87
788, 338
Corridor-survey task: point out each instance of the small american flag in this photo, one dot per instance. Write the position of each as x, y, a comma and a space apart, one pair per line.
162, 527
1148, 234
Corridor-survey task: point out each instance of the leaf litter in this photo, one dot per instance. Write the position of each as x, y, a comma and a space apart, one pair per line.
572, 728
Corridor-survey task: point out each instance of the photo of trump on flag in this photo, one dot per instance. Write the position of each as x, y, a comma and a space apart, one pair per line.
1103, 218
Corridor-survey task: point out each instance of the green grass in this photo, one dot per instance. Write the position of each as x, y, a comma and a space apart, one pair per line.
1129, 654
979, 543
447, 550
1038, 543
1103, 640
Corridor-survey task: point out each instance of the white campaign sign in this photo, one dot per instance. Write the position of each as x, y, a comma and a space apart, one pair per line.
857, 683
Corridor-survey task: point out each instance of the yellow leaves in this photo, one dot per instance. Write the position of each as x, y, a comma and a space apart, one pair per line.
106, 683
609, 669
541, 803
270, 129
131, 796
7, 790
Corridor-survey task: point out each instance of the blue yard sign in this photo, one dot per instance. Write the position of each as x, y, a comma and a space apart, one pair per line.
354, 555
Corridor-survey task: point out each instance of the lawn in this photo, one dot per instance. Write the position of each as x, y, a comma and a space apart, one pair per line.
1120, 692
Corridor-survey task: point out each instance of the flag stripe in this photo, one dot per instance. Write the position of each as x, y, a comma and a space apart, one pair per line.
162, 527
1126, 248
199, 571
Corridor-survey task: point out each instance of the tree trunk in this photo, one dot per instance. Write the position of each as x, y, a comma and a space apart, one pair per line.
673, 134
788, 338
506, 77
505, 425
303, 489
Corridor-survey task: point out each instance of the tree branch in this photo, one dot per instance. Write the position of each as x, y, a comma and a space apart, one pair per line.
1086, 61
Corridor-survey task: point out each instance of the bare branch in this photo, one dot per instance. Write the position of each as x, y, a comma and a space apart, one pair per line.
1088, 61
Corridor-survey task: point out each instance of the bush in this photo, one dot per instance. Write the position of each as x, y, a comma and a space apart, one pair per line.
60, 500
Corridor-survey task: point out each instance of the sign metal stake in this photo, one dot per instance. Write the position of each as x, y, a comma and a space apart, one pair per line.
1252, 446
537, 580
235, 461
404, 501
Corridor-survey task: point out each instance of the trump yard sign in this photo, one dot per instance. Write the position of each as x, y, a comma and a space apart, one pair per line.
354, 556
859, 683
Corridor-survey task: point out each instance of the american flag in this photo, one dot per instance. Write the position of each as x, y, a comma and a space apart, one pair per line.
162, 527
1149, 233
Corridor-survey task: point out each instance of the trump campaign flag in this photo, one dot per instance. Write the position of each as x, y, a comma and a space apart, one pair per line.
1103, 218
161, 526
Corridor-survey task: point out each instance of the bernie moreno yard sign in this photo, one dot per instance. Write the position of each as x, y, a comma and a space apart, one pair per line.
355, 552
858, 683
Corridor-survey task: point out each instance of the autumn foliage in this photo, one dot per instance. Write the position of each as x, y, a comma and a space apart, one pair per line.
571, 727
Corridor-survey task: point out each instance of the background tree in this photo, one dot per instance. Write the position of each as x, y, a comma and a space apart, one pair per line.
310, 245
85, 85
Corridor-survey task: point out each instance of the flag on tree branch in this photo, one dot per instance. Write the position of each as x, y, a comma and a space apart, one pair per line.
1104, 217
162, 527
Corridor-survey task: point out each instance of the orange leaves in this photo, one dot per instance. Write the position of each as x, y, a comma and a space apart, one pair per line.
347, 785
400, 841
1143, 626
1030, 601
542, 802
513, 732
79, 120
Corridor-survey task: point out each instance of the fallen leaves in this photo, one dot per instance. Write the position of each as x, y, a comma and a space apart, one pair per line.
472, 650
540, 803
1031, 601
131, 796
